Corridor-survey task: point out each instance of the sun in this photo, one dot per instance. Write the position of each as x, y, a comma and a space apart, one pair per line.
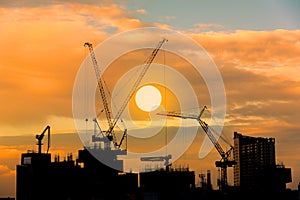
148, 98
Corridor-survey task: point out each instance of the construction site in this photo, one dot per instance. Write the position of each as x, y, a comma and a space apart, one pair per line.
39, 176
253, 159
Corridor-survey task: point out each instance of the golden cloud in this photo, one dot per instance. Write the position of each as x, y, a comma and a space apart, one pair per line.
42, 55
266, 52
43, 49
7, 181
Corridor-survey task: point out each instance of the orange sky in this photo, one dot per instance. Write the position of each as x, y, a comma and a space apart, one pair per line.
42, 49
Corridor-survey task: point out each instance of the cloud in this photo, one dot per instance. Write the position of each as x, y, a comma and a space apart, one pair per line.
141, 11
198, 28
40, 3
256, 51
42, 55
260, 73
7, 182
167, 18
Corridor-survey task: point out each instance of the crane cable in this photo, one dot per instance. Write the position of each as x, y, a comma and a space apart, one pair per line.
165, 103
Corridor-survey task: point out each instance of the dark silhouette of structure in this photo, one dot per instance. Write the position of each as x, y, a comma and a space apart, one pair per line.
89, 179
256, 177
225, 160
256, 170
167, 183
83, 178
205, 181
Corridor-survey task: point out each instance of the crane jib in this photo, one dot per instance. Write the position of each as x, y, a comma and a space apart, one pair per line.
224, 162
109, 134
137, 82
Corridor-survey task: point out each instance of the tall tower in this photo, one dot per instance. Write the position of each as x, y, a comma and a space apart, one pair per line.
253, 155
256, 167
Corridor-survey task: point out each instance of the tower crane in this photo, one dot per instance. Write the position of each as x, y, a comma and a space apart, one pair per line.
112, 123
225, 161
41, 137
100, 82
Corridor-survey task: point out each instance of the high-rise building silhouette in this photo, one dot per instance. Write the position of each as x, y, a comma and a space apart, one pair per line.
256, 168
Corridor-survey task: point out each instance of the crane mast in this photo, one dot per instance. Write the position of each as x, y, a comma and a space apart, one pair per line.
41, 137
112, 123
224, 162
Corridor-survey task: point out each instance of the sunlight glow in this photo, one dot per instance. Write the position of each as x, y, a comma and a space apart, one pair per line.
148, 98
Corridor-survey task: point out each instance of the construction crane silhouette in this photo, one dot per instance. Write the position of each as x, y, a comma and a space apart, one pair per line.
100, 82
225, 155
159, 158
41, 137
112, 123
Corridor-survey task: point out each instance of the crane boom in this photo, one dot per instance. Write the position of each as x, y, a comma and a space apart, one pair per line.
212, 137
203, 124
224, 162
40, 138
112, 123
110, 135
158, 158
137, 82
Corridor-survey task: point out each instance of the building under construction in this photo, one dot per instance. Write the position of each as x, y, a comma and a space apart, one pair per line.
82, 178
256, 170
256, 174
38, 177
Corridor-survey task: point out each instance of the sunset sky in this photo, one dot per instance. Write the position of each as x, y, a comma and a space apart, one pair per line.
255, 45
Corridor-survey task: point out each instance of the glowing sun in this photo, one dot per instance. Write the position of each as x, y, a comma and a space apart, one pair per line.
148, 98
